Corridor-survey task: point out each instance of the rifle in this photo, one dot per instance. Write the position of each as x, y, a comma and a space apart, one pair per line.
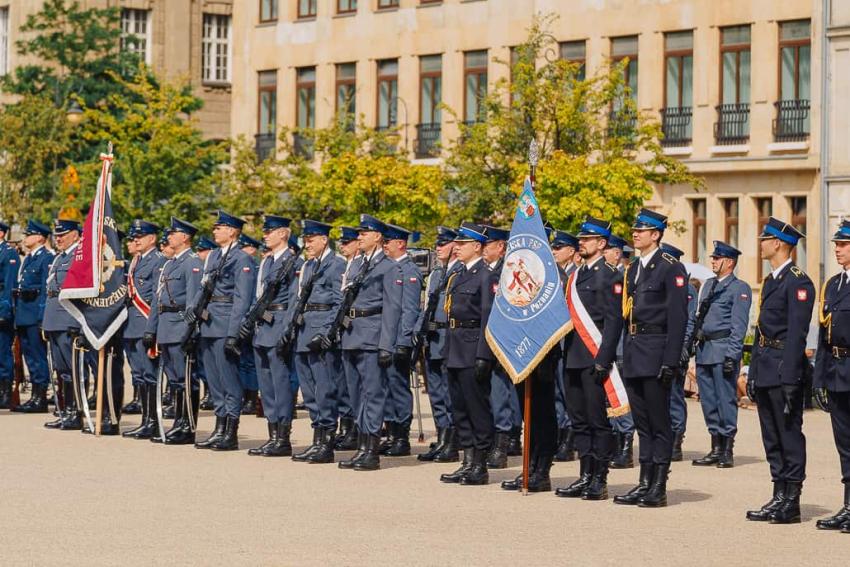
430, 310
297, 320
199, 312
691, 345
259, 309
18, 373
341, 320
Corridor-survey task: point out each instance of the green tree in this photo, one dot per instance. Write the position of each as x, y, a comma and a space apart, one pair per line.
598, 154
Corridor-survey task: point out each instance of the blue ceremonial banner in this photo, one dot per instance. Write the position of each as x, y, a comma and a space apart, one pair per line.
530, 313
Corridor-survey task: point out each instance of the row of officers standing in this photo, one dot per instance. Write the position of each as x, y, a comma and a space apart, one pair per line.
351, 325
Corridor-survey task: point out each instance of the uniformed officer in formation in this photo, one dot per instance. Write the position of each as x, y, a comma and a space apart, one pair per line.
247, 367
726, 301
656, 312
445, 449
468, 358
775, 379
218, 346
9, 263
678, 405
600, 287
58, 325
30, 299
204, 246
319, 289
369, 339
347, 436
564, 248
398, 410
179, 279
142, 278
832, 366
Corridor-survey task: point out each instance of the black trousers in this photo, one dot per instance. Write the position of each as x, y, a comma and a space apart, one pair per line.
782, 435
586, 407
471, 408
650, 402
839, 413
544, 422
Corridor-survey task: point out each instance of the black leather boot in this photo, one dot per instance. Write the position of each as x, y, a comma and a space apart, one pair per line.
249, 406
260, 451
454, 477
62, 414
216, 434
169, 400
151, 425
763, 514
433, 444
73, 417
283, 446
585, 475
229, 441
5, 394
184, 434
350, 441
788, 511
436, 447
178, 400
566, 448
624, 458
392, 434
713, 456
656, 497
516, 482
498, 457
144, 409
371, 459
362, 440
539, 480
477, 474
345, 425
845, 529
842, 517
678, 438
134, 407
515, 442
727, 458
325, 451
449, 452
598, 487
645, 480
302, 456
401, 443
37, 402
206, 403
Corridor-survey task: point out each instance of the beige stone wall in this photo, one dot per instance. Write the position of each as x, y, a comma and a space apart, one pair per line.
175, 48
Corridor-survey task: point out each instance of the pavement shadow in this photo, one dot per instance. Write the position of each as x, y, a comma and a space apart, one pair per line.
685, 496
810, 512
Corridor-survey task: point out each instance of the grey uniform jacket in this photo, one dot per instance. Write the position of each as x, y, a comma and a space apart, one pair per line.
236, 282
327, 290
381, 289
437, 329
411, 300
729, 311
178, 282
267, 334
145, 276
56, 318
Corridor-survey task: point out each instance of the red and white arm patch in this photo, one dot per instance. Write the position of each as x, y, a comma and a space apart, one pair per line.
802, 295
618, 289
399, 282
495, 287
413, 280
246, 269
196, 270
680, 281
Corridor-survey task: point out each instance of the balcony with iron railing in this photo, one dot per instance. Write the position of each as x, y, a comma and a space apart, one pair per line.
676, 126
622, 123
427, 138
792, 122
302, 146
264, 146
733, 124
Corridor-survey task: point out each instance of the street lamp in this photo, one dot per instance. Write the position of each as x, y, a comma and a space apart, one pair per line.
74, 115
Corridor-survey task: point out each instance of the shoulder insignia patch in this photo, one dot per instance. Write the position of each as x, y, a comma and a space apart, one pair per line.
669, 258
413, 280
680, 281
744, 296
802, 295
618, 288
246, 269
399, 282
13, 261
797, 271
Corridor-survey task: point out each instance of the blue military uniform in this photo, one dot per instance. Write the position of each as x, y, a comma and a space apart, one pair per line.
719, 349
398, 411
247, 365
776, 377
368, 343
142, 278
347, 438
656, 316
445, 449
678, 405
320, 292
29, 311
566, 438
469, 360
9, 263
205, 244
178, 281
231, 298
832, 370
56, 325
280, 269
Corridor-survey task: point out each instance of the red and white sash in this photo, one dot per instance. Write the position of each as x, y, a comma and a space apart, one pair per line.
615, 390
140, 304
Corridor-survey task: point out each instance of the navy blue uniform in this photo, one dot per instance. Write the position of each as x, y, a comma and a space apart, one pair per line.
29, 312
776, 369
9, 263
564, 421
655, 335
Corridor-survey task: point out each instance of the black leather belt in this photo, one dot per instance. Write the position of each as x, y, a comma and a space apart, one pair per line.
771, 343
221, 299
171, 308
641, 329
840, 352
317, 307
355, 313
436, 325
703, 337
277, 307
468, 324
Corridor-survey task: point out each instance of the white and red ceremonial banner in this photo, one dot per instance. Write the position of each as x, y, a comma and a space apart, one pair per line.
588, 332
95, 290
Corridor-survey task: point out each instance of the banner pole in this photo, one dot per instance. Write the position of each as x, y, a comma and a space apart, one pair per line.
99, 405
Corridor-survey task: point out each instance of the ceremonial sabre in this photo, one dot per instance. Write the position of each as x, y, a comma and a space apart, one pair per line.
109, 394
416, 386
52, 371
82, 384
160, 372
187, 393
75, 378
533, 156
99, 399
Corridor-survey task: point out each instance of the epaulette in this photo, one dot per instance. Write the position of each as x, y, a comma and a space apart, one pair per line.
612, 268
669, 258
797, 272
